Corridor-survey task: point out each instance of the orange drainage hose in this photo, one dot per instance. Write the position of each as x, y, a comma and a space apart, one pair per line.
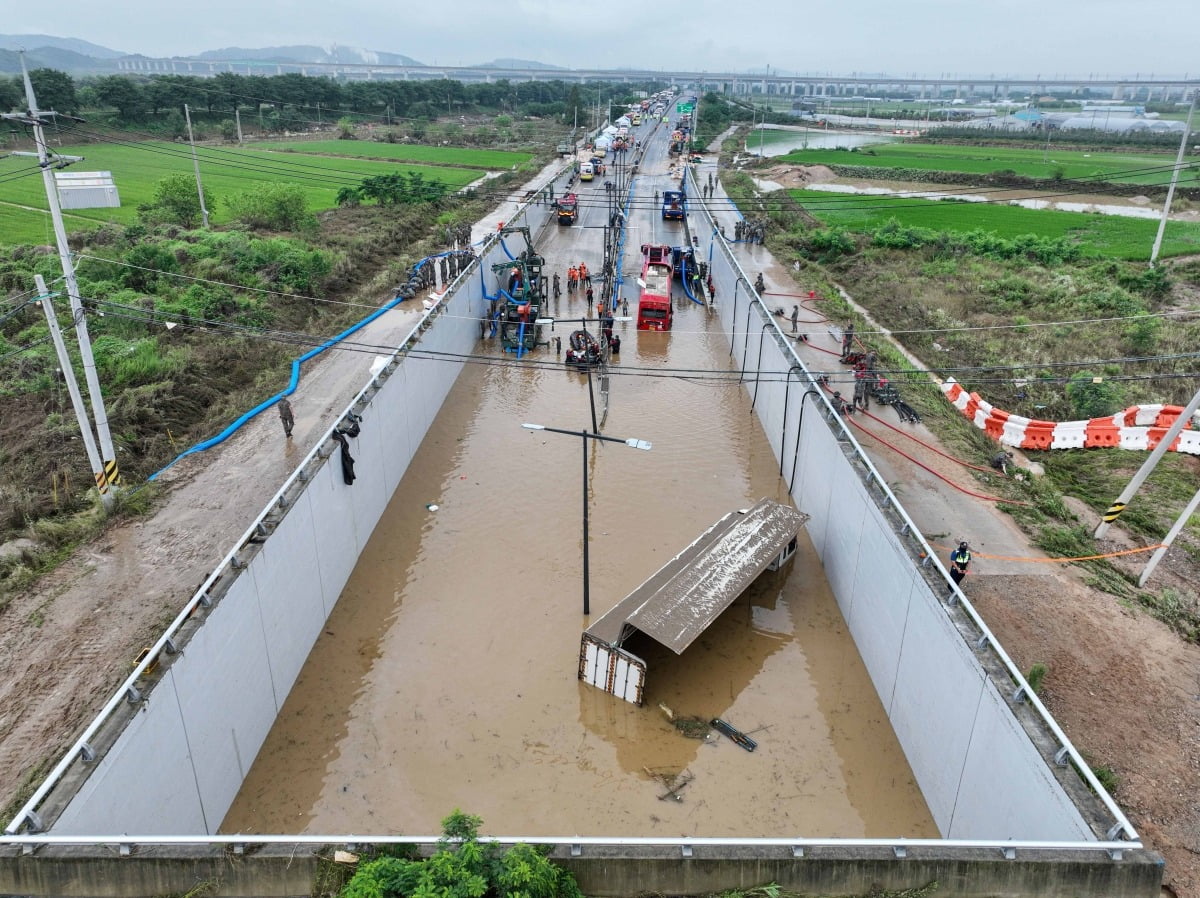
931, 448
961, 489
975, 554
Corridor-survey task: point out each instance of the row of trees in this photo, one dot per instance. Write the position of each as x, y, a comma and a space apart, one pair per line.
137, 99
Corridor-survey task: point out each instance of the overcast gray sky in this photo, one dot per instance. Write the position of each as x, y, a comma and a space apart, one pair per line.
929, 37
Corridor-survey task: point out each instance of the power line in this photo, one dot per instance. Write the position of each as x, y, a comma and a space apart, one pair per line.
298, 338
25, 348
1178, 313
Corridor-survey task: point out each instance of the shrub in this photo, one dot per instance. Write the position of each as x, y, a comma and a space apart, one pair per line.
281, 207
176, 202
151, 260
1034, 678
1093, 397
463, 868
829, 243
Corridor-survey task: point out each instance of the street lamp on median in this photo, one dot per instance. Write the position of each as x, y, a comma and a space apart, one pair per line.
585, 436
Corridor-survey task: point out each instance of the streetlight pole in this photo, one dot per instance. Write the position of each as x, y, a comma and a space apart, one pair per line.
585, 436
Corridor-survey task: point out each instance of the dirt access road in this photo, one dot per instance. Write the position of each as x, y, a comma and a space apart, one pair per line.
68, 643
1123, 686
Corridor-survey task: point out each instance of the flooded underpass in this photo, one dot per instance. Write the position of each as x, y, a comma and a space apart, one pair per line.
446, 675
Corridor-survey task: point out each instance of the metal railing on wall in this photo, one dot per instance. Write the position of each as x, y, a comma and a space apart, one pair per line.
910, 535
239, 844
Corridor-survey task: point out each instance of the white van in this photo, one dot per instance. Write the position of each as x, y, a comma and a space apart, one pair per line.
587, 172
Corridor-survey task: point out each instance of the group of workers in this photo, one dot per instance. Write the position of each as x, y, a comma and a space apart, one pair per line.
750, 230
577, 275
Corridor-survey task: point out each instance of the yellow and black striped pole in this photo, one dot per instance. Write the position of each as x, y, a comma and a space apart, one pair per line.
1183, 420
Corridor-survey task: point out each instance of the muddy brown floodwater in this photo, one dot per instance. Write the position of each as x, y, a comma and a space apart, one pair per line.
446, 676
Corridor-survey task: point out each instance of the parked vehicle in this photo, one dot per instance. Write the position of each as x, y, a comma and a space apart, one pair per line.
587, 172
654, 305
674, 205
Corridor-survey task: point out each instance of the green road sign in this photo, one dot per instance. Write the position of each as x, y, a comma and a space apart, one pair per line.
684, 108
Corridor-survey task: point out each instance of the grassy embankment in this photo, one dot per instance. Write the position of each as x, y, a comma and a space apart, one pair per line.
137, 170
166, 388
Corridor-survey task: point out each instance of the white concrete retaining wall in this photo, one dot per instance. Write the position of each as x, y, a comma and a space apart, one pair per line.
179, 762
980, 772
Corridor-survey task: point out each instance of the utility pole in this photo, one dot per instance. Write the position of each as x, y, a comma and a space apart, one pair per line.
1162, 224
187, 114
33, 118
1175, 530
1114, 510
237, 117
68, 370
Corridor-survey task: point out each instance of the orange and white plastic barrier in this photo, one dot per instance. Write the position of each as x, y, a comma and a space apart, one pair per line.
1139, 427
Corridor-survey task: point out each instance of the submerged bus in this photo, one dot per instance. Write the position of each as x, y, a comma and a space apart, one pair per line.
654, 307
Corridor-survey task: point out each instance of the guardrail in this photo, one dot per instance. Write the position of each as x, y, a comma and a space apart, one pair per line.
920, 549
576, 844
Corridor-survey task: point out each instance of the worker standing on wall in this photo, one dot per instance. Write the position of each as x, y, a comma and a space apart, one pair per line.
960, 560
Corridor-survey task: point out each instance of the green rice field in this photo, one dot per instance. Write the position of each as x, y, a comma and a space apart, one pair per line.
1125, 168
369, 149
137, 169
1112, 235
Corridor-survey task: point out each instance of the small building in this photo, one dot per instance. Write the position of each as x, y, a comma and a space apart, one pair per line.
87, 190
679, 602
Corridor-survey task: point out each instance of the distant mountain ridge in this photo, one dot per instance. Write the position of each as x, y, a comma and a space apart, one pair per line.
53, 58
32, 42
76, 55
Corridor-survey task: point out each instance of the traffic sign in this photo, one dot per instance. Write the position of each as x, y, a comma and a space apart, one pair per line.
684, 108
